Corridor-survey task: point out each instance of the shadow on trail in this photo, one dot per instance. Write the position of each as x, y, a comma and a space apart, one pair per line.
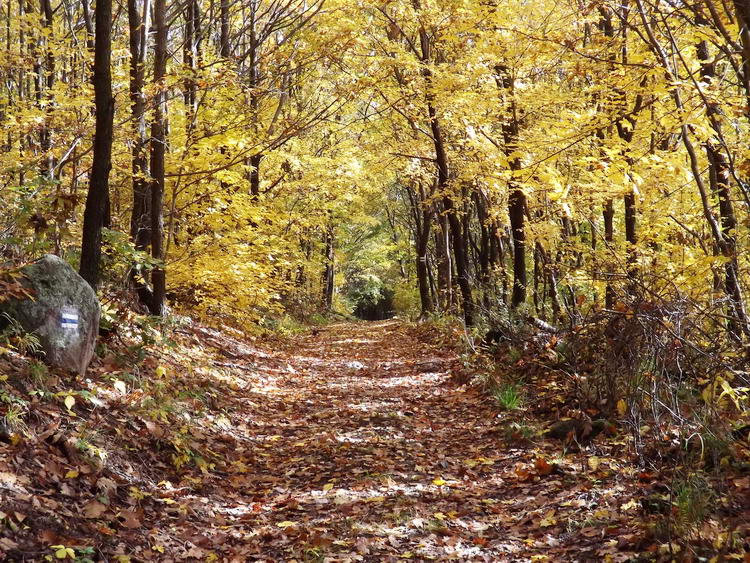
354, 444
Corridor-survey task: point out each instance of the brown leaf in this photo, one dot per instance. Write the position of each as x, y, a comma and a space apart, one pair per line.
523, 473
49, 537
130, 519
106, 485
543, 467
94, 509
155, 430
361, 545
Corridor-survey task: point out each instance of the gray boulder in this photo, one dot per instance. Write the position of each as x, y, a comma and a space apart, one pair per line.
64, 312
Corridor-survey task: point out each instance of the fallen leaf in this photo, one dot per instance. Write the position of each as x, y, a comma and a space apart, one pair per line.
130, 519
594, 462
542, 466
548, 520
94, 509
622, 407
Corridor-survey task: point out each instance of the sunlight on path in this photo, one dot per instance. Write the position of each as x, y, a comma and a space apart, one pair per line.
368, 455
354, 444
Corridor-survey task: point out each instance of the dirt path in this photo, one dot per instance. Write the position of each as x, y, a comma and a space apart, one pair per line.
350, 444
357, 446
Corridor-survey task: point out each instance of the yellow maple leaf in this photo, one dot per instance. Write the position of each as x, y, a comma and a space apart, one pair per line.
548, 520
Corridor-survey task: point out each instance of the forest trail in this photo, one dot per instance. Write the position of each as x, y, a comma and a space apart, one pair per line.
358, 446
352, 442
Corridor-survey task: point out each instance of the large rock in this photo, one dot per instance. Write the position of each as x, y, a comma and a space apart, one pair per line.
64, 312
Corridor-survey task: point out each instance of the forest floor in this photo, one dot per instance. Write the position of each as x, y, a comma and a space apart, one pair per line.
353, 442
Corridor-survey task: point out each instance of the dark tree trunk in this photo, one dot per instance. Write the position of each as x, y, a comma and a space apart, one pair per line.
329, 270
224, 37
631, 237
140, 217
516, 199
444, 265
441, 161
719, 178
422, 226
742, 13
461, 259
609, 237
158, 150
48, 164
423, 273
484, 255
517, 214
96, 201
190, 62
140, 227
254, 162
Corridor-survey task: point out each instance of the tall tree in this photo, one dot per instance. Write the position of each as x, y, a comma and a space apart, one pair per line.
98, 194
158, 151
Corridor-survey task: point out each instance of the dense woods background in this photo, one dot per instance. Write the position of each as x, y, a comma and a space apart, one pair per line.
554, 162
569, 180
476, 157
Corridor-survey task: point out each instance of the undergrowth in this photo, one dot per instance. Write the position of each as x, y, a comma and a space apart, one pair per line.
669, 377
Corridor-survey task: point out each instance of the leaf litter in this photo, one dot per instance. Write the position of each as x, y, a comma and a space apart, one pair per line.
355, 443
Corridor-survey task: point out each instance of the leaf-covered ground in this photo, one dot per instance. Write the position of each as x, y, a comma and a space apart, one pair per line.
354, 442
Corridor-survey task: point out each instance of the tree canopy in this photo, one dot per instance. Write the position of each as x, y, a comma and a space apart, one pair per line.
472, 156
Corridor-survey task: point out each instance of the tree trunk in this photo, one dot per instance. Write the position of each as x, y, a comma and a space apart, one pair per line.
516, 199
444, 265
441, 162
484, 257
158, 150
517, 214
631, 237
462, 263
254, 162
96, 201
719, 178
742, 13
224, 37
138, 23
422, 226
609, 237
49, 72
423, 273
329, 270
